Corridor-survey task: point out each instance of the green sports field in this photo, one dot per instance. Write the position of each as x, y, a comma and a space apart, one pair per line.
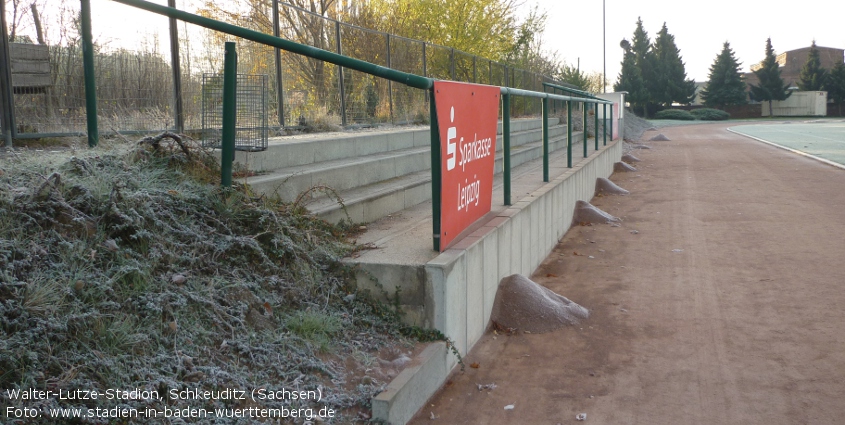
822, 138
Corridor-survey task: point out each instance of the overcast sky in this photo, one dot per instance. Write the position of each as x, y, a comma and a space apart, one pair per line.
574, 29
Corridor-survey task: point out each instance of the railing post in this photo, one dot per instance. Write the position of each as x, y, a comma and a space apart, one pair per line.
90, 78
389, 83
569, 133
340, 79
611, 122
584, 135
436, 182
178, 114
506, 146
604, 122
7, 98
546, 139
596, 127
280, 95
230, 78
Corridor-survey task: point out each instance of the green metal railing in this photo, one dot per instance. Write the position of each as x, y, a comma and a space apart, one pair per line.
408, 79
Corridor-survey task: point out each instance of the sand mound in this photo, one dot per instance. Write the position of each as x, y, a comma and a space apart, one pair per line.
659, 138
621, 167
630, 158
525, 305
585, 212
604, 185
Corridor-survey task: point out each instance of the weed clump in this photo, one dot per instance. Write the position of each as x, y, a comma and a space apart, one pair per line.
130, 268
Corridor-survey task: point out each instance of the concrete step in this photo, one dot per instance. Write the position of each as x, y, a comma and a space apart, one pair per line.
348, 172
342, 174
305, 149
369, 203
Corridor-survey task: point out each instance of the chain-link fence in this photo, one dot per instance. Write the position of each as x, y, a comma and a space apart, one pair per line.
135, 84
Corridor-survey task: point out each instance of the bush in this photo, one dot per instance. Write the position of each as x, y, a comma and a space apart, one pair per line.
674, 114
710, 114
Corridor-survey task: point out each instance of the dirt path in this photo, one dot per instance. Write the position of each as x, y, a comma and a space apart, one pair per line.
745, 325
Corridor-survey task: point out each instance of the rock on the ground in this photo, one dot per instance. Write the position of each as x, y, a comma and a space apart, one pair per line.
604, 185
630, 158
585, 212
621, 167
527, 306
659, 138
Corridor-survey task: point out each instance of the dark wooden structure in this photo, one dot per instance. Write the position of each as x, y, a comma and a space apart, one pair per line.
30, 68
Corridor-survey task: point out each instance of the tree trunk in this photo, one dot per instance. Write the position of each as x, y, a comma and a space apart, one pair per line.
771, 111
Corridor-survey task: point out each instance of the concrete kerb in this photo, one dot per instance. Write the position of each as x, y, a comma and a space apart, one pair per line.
510, 243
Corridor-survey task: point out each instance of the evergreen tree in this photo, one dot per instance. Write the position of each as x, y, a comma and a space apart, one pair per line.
645, 62
630, 79
724, 84
771, 85
670, 76
812, 74
835, 85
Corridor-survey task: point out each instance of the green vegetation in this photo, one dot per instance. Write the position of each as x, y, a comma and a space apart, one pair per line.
674, 114
724, 85
812, 75
653, 74
835, 85
771, 85
710, 114
131, 268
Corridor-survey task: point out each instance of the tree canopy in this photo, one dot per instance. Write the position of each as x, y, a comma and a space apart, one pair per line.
771, 85
653, 74
671, 83
724, 85
835, 85
812, 75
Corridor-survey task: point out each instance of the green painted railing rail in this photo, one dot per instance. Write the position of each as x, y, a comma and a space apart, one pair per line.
408, 79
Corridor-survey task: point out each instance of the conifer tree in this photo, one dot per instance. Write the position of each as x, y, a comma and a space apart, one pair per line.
724, 84
835, 85
630, 79
771, 85
670, 77
645, 62
812, 74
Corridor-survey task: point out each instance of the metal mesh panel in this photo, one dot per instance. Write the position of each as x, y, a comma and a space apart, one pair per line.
136, 88
251, 121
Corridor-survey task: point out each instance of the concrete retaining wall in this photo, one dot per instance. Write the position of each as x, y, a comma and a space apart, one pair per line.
461, 283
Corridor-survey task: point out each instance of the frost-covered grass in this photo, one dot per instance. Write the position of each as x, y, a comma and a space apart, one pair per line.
128, 267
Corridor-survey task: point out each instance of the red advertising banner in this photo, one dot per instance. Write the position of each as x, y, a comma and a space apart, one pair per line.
467, 115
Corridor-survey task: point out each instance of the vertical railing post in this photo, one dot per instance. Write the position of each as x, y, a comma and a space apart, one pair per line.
584, 135
389, 82
230, 78
604, 122
7, 98
178, 114
546, 139
90, 78
436, 182
506, 146
569, 133
611, 122
280, 92
596, 124
340, 75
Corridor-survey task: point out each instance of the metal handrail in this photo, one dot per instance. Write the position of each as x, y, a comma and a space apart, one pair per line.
408, 79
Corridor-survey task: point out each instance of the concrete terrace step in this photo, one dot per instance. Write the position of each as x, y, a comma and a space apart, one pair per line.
345, 161
342, 174
369, 203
